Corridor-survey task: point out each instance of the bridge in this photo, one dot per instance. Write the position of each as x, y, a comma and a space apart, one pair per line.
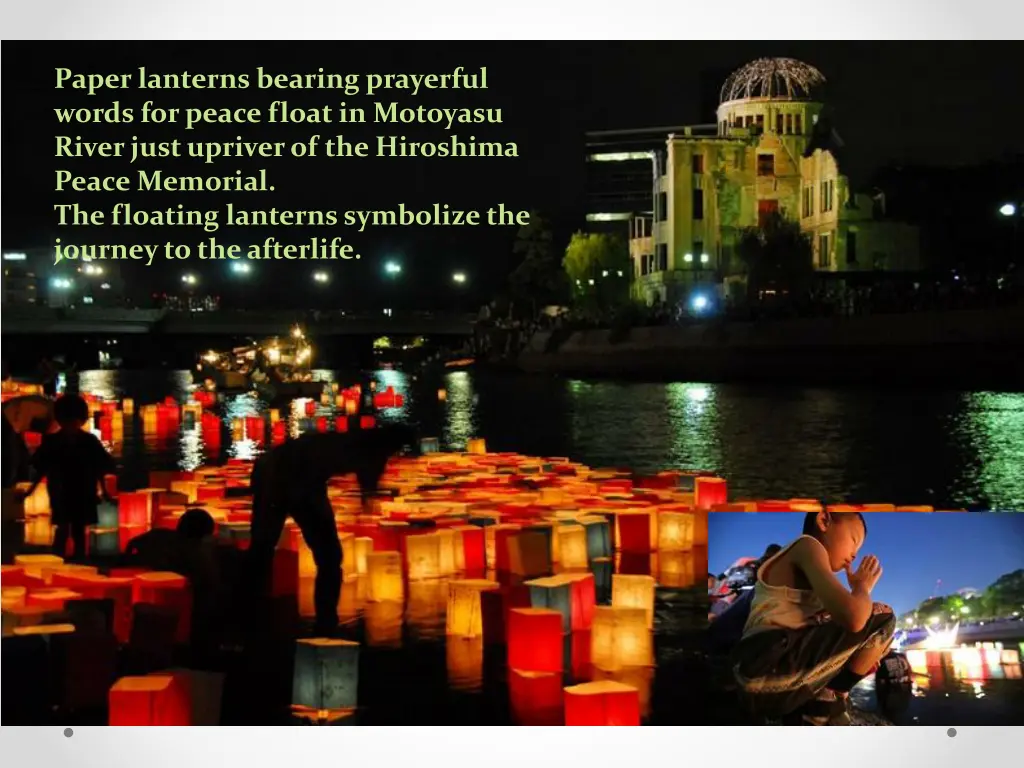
99, 320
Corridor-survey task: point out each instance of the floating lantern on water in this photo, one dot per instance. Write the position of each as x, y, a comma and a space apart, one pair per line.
470, 549
709, 491
12, 597
630, 591
535, 640
604, 702
168, 590
633, 531
326, 677
362, 546
676, 569
476, 445
529, 553
620, 638
39, 531
675, 531
39, 566
151, 700
465, 612
572, 546
599, 541
423, 556
384, 570
430, 445
38, 504
553, 592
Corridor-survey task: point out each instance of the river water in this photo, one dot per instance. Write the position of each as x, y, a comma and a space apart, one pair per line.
961, 449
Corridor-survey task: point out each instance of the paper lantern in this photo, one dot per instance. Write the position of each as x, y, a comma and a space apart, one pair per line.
633, 531
603, 702
553, 592
326, 676
634, 592
446, 555
384, 570
572, 546
535, 640
44, 629
583, 599
12, 597
22, 616
39, 566
709, 491
496, 537
535, 697
39, 531
169, 590
675, 531
38, 503
700, 529
465, 612
307, 565
470, 549
425, 609
620, 638
430, 445
603, 569
51, 599
423, 556
476, 445
135, 508
599, 542
362, 546
151, 700
529, 553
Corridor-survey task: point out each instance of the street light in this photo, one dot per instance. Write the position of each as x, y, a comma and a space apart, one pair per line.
241, 268
1008, 209
393, 268
93, 269
189, 279
459, 277
60, 283
321, 277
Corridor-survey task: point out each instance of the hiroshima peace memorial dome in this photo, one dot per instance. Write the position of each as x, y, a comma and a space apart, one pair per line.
771, 151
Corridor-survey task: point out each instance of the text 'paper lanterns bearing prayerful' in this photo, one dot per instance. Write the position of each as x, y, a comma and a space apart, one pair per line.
326, 677
604, 702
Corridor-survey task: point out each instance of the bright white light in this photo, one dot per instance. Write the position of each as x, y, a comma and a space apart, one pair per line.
698, 394
459, 277
699, 303
945, 638
14, 257
590, 281
387, 312
604, 273
321, 277
189, 279
393, 268
241, 268
688, 258
105, 286
620, 273
61, 283
964, 609
93, 269
704, 258
1007, 209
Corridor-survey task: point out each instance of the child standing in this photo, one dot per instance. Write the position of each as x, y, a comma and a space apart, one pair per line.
808, 639
74, 463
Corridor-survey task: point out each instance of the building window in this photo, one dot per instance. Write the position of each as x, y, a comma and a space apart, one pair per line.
780, 123
759, 122
798, 124
697, 161
662, 206
808, 202
824, 255
698, 204
765, 210
662, 258
827, 195
765, 165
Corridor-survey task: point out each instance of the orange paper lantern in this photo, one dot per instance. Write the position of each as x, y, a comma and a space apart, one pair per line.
152, 700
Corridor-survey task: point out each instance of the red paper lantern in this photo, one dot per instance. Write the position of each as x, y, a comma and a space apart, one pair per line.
110, 485
709, 491
135, 509
321, 423
169, 590
474, 547
495, 606
583, 598
604, 702
152, 700
535, 642
634, 532
341, 423
367, 422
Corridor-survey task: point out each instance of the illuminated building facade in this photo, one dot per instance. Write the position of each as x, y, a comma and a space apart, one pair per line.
770, 151
20, 284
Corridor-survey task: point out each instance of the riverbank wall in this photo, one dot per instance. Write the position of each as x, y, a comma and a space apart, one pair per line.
972, 349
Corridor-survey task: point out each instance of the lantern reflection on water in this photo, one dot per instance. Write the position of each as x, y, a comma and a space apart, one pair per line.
382, 623
535, 697
326, 677
465, 615
464, 660
384, 570
604, 702
676, 569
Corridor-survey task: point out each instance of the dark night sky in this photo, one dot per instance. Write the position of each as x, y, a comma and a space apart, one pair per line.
938, 103
915, 549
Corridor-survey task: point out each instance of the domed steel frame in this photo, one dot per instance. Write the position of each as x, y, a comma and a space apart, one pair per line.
772, 79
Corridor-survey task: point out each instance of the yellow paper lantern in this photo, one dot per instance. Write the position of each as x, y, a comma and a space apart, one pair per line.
677, 569
38, 504
476, 445
446, 556
39, 531
39, 566
675, 531
529, 554
634, 591
423, 556
490, 539
384, 570
128, 406
363, 547
620, 638
23, 616
348, 555
425, 608
12, 597
572, 546
464, 616
187, 488
464, 659
45, 629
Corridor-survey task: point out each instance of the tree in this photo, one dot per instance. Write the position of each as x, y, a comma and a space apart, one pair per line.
538, 279
599, 269
777, 255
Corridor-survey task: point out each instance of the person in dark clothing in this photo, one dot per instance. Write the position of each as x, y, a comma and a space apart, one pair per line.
73, 462
291, 480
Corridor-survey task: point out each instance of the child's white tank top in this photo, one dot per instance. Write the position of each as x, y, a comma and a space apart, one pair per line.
781, 607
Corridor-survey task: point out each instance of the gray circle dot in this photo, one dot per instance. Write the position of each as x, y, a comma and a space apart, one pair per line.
68, 733
951, 732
